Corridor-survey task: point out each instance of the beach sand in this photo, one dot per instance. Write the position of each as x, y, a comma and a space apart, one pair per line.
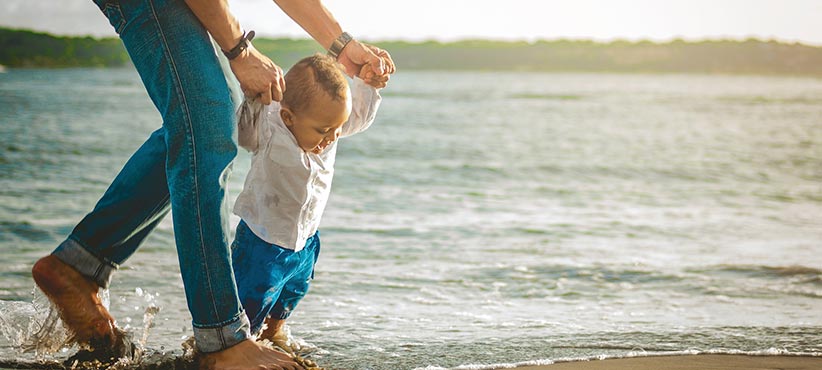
691, 362
675, 362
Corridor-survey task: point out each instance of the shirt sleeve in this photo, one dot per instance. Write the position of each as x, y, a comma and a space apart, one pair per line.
365, 99
252, 125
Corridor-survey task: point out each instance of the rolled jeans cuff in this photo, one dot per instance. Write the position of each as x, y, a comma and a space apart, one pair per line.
215, 339
74, 254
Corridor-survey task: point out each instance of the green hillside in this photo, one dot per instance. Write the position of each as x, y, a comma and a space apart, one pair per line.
21, 48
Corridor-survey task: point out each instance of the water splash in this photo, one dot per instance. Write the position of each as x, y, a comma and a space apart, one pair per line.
34, 327
37, 332
149, 313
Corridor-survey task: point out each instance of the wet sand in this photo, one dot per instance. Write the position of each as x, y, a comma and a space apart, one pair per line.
677, 362
691, 362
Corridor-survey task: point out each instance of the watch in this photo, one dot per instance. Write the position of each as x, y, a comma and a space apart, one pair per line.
339, 43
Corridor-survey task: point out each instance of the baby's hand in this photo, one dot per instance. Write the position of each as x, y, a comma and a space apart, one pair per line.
367, 74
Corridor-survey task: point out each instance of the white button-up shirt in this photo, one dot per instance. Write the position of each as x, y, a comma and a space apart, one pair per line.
286, 188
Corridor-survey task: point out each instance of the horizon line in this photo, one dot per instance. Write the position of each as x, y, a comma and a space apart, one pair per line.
528, 40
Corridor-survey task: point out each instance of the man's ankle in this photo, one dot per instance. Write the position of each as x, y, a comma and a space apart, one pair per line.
52, 276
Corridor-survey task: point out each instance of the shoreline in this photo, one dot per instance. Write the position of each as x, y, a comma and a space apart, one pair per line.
652, 362
688, 362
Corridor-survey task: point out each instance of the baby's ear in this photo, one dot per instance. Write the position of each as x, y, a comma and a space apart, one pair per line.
287, 116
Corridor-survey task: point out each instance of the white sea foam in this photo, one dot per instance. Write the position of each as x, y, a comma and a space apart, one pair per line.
633, 354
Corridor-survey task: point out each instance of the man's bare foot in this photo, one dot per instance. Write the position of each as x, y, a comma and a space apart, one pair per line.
80, 308
248, 354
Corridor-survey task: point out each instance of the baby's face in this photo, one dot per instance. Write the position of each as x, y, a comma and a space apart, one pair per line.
318, 125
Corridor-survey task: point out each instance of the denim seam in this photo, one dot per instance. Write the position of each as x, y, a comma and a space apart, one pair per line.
155, 208
221, 337
98, 271
220, 324
121, 23
103, 261
193, 159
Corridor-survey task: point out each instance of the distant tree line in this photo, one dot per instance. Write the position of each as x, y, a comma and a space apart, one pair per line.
723, 56
21, 48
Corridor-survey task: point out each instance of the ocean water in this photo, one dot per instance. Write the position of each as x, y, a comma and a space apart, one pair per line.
486, 219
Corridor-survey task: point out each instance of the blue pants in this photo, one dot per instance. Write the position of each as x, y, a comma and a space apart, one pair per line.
271, 280
182, 167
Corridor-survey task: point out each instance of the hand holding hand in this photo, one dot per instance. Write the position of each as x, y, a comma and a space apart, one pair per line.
356, 55
367, 74
259, 77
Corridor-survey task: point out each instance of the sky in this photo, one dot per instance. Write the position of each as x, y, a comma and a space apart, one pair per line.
448, 20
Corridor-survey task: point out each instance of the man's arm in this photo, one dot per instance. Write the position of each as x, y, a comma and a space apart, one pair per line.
258, 75
315, 19
218, 20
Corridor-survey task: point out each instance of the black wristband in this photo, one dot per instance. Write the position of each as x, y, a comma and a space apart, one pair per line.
241, 45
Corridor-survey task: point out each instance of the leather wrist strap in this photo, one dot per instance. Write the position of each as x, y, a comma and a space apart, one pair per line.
241, 45
339, 43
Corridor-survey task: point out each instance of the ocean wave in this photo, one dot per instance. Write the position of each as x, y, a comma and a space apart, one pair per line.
775, 280
581, 282
539, 96
774, 271
24, 230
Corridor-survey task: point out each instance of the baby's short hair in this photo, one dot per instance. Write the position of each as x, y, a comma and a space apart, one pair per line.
310, 76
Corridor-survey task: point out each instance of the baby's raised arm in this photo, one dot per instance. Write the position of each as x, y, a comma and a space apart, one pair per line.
365, 100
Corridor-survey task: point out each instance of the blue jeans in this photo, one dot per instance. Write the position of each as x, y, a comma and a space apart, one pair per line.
271, 279
182, 167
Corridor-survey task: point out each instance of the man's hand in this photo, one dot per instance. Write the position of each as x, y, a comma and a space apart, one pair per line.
356, 55
367, 74
259, 77
385, 57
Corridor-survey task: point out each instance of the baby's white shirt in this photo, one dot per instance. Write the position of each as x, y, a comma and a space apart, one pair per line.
286, 189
